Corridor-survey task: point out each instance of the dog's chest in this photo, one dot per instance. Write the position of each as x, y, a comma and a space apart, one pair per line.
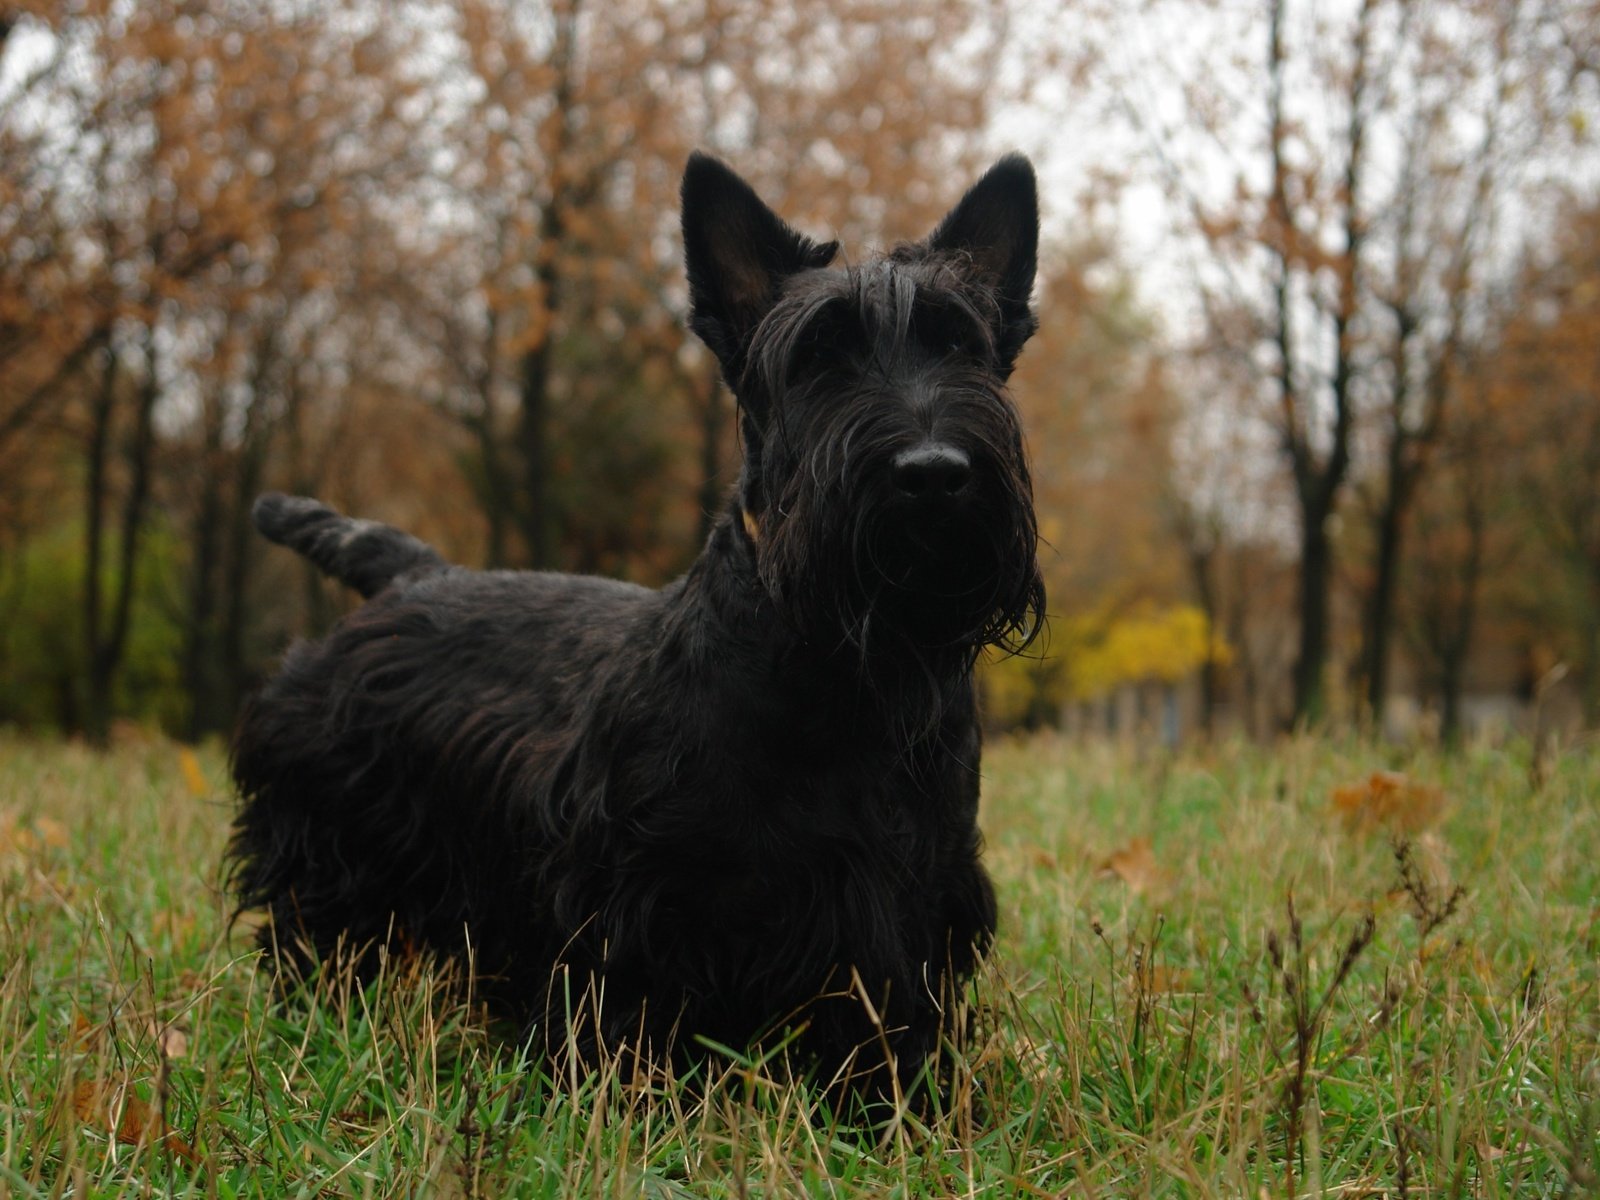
849, 854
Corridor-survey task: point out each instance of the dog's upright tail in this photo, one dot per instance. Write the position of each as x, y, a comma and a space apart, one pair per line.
364, 555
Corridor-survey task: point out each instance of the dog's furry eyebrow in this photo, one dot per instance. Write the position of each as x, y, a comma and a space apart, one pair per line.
884, 293
887, 299
951, 312
787, 325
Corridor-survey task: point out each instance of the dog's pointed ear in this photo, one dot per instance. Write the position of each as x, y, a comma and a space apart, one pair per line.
738, 253
996, 228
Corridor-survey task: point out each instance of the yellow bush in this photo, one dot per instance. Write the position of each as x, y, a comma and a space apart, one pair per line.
1085, 656
1144, 645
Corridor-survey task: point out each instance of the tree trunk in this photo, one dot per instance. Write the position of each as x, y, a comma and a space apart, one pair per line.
1378, 619
236, 673
199, 654
1455, 645
96, 720
496, 495
1200, 570
1316, 576
108, 646
309, 472
1591, 668
1318, 477
533, 430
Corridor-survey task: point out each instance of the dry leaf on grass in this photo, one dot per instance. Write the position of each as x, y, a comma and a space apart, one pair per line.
176, 925
51, 832
1388, 800
1135, 864
25, 839
1164, 980
174, 1042
193, 777
1027, 1055
15, 838
127, 1118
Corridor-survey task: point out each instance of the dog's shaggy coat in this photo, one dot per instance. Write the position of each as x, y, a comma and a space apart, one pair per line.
745, 803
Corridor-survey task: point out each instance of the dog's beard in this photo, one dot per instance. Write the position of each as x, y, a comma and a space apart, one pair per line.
859, 571
940, 580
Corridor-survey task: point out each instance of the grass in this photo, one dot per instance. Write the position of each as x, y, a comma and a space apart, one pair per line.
1207, 985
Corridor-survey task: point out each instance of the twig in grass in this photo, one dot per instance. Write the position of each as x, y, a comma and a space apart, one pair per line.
1431, 905
1307, 1017
468, 1128
1144, 983
1582, 1158
1402, 1169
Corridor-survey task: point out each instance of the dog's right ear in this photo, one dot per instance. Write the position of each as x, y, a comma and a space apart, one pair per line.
738, 253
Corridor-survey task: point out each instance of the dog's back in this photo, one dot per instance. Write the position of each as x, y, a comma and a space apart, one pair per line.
376, 764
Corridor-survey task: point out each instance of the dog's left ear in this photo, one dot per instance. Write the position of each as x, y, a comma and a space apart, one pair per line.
738, 252
996, 227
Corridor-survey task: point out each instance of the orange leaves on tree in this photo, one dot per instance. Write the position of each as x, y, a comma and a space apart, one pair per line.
1388, 800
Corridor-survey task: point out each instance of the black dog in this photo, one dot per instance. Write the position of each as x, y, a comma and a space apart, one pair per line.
746, 803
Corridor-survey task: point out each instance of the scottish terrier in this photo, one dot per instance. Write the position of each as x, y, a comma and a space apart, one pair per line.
738, 809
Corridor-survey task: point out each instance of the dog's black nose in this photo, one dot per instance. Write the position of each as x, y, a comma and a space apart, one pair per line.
930, 470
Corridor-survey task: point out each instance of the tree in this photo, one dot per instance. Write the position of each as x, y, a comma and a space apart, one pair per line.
176, 178
1475, 102
1464, 540
237, 241
564, 286
1099, 414
1548, 386
1336, 173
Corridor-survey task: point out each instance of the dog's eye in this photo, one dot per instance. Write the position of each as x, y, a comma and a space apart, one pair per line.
824, 343
952, 333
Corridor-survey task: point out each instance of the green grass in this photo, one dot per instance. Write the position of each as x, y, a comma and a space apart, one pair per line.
1266, 1013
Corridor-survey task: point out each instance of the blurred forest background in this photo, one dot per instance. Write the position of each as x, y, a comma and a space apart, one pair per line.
1314, 408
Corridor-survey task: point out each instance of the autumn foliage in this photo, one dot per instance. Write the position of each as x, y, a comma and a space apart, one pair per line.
1312, 432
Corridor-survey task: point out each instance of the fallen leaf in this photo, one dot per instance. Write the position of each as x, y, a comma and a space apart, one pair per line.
1389, 800
1032, 1058
127, 732
1162, 979
190, 980
132, 1121
176, 926
173, 1041
1135, 864
193, 777
15, 839
26, 840
51, 832
84, 1031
